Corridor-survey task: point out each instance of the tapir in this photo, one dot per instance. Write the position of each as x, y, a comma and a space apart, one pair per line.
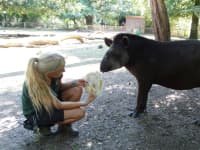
173, 64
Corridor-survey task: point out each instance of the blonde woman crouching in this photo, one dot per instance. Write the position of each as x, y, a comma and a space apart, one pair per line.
47, 101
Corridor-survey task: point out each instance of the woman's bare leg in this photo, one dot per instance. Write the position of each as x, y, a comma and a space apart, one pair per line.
72, 94
73, 115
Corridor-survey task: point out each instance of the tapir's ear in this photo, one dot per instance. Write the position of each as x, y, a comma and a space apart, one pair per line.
108, 41
125, 41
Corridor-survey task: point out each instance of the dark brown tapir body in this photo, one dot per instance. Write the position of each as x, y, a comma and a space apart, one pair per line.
174, 64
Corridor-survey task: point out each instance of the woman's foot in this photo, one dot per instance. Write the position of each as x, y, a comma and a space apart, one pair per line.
67, 128
45, 131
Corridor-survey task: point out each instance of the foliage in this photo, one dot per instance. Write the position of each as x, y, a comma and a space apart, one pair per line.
180, 12
108, 11
28, 10
174, 7
79, 12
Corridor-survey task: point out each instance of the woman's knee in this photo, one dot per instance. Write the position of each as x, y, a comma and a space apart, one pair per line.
77, 113
73, 94
78, 93
82, 113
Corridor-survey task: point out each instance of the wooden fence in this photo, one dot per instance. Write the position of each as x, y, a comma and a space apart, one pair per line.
103, 28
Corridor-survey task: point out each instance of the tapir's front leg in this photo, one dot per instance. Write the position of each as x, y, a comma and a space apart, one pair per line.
143, 89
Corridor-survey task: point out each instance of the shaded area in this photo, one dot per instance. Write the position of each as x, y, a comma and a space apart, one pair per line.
167, 125
86, 55
10, 74
7, 36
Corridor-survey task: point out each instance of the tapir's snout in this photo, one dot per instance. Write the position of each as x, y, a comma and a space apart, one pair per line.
101, 68
110, 62
105, 66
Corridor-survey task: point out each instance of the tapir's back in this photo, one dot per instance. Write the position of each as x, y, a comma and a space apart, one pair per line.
175, 64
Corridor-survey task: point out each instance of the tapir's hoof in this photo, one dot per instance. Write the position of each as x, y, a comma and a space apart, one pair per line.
136, 114
196, 122
131, 114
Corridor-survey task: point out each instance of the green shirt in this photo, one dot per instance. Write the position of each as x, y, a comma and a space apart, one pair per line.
27, 105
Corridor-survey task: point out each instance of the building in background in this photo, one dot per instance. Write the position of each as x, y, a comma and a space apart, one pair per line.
135, 24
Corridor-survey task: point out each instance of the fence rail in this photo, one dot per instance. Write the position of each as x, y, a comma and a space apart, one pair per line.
41, 26
58, 26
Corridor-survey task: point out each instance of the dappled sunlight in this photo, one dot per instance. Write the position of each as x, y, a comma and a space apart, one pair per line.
72, 60
121, 70
77, 54
169, 99
10, 113
9, 89
16, 61
8, 123
118, 86
180, 101
156, 105
8, 108
79, 71
9, 81
89, 144
175, 96
130, 93
6, 103
107, 125
106, 116
126, 85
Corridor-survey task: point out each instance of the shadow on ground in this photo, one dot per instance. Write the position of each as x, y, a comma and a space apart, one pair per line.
167, 125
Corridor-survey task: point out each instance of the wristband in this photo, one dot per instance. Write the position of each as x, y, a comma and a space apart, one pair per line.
74, 84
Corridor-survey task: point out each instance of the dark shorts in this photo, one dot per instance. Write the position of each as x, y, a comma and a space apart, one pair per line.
43, 118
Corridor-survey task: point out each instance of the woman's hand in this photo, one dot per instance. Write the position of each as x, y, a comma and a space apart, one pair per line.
80, 82
91, 97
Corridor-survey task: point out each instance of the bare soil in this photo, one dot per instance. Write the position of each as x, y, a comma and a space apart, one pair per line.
167, 125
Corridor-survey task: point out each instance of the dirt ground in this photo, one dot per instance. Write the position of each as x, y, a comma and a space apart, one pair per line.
167, 125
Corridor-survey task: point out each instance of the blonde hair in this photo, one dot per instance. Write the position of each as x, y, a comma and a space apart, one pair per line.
37, 80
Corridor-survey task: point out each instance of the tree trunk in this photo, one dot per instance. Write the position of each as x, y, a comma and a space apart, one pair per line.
194, 24
160, 20
89, 20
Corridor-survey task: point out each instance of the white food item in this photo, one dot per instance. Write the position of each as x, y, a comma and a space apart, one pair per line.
95, 83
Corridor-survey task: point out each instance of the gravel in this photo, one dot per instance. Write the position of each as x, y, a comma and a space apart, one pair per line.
169, 123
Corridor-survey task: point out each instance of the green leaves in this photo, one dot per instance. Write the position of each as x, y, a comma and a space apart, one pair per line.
181, 7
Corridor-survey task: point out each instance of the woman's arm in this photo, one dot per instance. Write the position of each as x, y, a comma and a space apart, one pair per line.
72, 105
69, 104
75, 83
